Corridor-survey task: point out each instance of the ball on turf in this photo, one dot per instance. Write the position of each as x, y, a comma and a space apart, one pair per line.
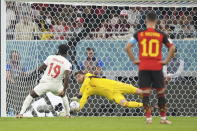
74, 105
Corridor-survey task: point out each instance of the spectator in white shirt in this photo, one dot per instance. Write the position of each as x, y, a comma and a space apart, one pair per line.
26, 29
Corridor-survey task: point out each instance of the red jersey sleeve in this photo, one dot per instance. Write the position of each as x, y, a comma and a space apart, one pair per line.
168, 43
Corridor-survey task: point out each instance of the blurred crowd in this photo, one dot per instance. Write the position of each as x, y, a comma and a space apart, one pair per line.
59, 22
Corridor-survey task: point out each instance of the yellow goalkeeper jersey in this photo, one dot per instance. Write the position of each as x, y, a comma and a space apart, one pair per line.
103, 87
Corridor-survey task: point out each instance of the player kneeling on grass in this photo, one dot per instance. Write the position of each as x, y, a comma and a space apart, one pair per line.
56, 69
112, 90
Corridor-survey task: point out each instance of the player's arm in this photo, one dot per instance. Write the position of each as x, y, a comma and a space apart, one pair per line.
41, 68
67, 68
129, 47
170, 55
83, 100
129, 51
66, 79
171, 49
82, 96
37, 72
84, 85
65, 82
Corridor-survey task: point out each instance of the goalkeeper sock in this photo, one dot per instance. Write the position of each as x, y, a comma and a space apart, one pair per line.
26, 104
131, 104
66, 105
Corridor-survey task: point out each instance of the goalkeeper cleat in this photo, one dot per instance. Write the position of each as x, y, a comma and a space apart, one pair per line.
19, 116
167, 122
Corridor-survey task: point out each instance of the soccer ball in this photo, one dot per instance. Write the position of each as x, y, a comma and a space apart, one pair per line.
74, 105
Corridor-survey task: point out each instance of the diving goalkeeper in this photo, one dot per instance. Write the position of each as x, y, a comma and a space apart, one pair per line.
112, 90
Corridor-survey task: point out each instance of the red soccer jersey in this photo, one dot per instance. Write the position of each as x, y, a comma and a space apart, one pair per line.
150, 42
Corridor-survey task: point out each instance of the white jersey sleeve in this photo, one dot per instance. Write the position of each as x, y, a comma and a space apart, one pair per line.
47, 60
68, 66
56, 67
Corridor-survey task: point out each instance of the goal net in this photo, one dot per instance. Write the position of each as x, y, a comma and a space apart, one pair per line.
34, 29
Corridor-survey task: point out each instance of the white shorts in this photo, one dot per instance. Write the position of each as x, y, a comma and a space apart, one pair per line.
43, 88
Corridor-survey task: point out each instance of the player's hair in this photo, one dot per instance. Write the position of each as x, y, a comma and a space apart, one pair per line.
151, 16
63, 49
79, 72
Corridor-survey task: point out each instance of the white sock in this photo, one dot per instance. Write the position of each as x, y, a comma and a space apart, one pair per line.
66, 105
26, 104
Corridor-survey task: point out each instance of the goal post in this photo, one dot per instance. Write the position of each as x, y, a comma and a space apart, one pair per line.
34, 29
3, 59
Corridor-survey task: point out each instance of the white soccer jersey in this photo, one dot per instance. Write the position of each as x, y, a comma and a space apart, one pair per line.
56, 67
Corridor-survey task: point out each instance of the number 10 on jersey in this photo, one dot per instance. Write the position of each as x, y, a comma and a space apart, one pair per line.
147, 47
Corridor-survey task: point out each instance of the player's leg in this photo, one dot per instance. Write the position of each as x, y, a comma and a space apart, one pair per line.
37, 91
160, 88
118, 88
120, 99
162, 106
57, 90
124, 88
27, 103
66, 104
145, 85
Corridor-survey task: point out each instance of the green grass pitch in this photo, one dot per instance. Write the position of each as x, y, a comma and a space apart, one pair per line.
96, 124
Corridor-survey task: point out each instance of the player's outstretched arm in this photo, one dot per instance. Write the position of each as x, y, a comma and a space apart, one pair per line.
83, 96
37, 72
42, 68
83, 100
